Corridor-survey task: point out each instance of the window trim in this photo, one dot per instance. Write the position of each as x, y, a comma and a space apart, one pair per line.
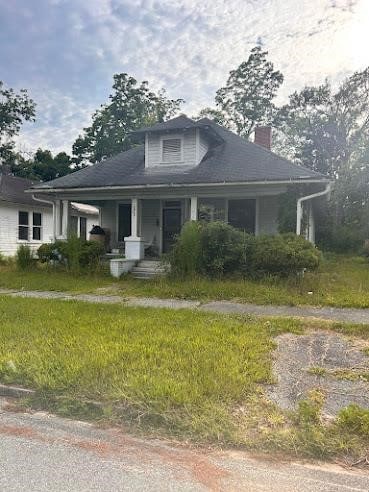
171, 137
30, 226
20, 240
36, 227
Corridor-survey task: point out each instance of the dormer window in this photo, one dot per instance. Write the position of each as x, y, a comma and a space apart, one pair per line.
171, 150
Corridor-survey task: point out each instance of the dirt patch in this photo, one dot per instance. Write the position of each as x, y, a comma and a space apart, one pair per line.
315, 360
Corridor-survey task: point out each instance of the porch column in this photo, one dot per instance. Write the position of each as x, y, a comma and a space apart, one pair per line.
57, 219
193, 208
134, 217
134, 245
65, 219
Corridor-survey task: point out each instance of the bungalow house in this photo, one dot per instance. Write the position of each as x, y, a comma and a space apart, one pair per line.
184, 170
25, 219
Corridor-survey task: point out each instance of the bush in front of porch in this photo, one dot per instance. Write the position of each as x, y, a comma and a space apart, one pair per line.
75, 254
216, 249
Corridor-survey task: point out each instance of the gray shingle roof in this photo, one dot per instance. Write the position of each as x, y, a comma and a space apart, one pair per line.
234, 160
181, 122
12, 189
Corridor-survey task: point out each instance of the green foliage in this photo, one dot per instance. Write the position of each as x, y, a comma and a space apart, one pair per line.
216, 249
328, 131
24, 257
185, 257
2, 259
75, 254
354, 419
246, 101
221, 249
14, 110
309, 409
181, 371
340, 239
48, 252
288, 203
131, 106
282, 255
43, 166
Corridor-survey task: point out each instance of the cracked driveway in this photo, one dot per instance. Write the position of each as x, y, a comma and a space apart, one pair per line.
40, 452
297, 356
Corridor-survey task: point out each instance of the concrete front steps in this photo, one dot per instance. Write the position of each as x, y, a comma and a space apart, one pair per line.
147, 269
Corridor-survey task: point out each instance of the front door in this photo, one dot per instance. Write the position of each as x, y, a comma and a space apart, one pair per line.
171, 224
124, 221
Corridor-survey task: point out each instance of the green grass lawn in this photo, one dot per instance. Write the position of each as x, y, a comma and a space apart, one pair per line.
180, 373
181, 370
340, 281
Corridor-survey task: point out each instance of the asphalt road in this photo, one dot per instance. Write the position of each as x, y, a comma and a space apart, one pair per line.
39, 452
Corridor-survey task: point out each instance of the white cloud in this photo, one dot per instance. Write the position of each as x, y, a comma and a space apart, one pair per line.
189, 47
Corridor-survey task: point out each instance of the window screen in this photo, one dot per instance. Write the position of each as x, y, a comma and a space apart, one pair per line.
23, 226
241, 214
172, 150
37, 224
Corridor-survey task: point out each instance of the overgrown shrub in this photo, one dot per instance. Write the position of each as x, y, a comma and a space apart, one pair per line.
2, 259
24, 257
75, 254
185, 257
216, 249
48, 252
221, 249
282, 255
340, 239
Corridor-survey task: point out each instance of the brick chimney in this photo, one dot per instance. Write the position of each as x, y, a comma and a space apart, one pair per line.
263, 136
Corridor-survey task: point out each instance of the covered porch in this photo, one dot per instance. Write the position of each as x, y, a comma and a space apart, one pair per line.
146, 227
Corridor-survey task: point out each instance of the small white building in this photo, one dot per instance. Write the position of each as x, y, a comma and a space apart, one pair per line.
26, 220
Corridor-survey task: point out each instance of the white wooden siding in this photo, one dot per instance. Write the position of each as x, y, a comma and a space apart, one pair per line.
203, 147
268, 214
9, 241
9, 227
153, 149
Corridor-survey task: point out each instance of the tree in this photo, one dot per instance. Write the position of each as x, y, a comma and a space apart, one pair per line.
324, 131
14, 110
246, 101
329, 132
130, 106
43, 166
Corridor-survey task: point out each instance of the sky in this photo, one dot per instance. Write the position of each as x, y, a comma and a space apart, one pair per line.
65, 52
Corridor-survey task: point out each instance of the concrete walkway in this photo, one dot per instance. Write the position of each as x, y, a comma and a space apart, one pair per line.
350, 315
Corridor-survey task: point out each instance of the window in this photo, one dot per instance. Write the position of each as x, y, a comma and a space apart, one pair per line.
23, 226
83, 227
36, 226
211, 209
242, 213
171, 150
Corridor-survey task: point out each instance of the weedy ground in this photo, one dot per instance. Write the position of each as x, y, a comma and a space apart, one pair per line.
182, 374
341, 281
